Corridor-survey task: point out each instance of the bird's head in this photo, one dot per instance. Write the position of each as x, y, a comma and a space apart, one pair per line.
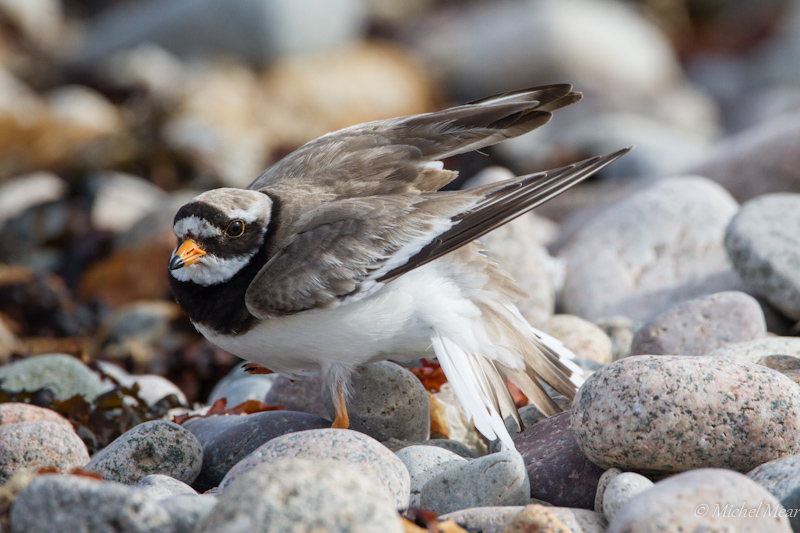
219, 232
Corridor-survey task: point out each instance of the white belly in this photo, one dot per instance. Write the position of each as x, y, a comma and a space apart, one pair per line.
389, 324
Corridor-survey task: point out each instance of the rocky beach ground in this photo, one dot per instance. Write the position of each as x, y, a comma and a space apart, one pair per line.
674, 276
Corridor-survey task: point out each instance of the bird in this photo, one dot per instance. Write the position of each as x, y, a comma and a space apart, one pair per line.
346, 252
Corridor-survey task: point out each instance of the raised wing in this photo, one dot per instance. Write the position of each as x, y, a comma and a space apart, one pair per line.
402, 155
345, 249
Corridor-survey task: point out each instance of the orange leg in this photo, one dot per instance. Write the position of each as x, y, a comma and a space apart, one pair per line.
342, 420
255, 368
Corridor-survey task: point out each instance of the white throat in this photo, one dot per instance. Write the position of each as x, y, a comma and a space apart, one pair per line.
211, 270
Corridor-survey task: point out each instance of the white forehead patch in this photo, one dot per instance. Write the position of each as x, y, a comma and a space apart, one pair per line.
241, 204
196, 226
211, 269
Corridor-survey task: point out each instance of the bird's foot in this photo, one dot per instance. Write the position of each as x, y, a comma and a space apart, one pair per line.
255, 368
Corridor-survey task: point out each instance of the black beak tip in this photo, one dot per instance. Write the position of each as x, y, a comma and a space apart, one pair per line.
176, 262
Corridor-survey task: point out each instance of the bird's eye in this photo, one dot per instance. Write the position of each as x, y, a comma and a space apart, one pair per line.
234, 229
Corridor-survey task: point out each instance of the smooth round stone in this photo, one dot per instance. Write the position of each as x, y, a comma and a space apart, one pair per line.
352, 448
558, 470
186, 511
498, 519
39, 444
585, 339
156, 447
303, 495
605, 479
707, 499
753, 351
658, 246
303, 395
702, 325
238, 386
84, 504
673, 413
454, 446
153, 388
13, 412
423, 464
791, 503
386, 402
620, 329
781, 363
621, 489
227, 439
63, 374
160, 486
759, 240
780, 476
496, 479
536, 517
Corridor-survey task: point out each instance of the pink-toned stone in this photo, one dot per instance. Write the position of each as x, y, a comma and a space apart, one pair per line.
39, 444
11, 413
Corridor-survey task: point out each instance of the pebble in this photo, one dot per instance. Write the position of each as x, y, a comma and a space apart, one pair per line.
791, 503
622, 488
758, 161
536, 517
756, 241
295, 494
454, 446
707, 499
495, 479
657, 247
699, 326
63, 374
352, 448
559, 471
22, 192
585, 339
227, 439
752, 351
85, 504
121, 200
238, 386
386, 402
425, 463
156, 447
39, 444
160, 486
152, 387
459, 425
13, 412
780, 476
497, 519
304, 395
187, 511
605, 479
781, 363
620, 329
673, 413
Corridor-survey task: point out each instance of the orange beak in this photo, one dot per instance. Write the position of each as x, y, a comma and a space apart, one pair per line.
186, 254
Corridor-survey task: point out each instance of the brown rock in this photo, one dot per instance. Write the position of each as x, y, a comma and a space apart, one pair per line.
537, 518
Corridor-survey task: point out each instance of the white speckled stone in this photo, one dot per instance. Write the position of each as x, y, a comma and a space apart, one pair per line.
352, 448
423, 464
753, 351
39, 444
707, 499
780, 476
602, 484
303, 495
621, 489
156, 447
674, 413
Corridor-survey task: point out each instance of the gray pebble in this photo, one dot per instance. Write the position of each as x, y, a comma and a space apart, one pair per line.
303, 395
791, 502
759, 241
659, 246
160, 486
455, 446
781, 363
386, 402
702, 325
498, 519
352, 448
620, 329
621, 489
156, 447
605, 479
423, 464
673, 413
63, 374
78, 503
707, 499
186, 511
303, 495
780, 476
39, 444
495, 479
